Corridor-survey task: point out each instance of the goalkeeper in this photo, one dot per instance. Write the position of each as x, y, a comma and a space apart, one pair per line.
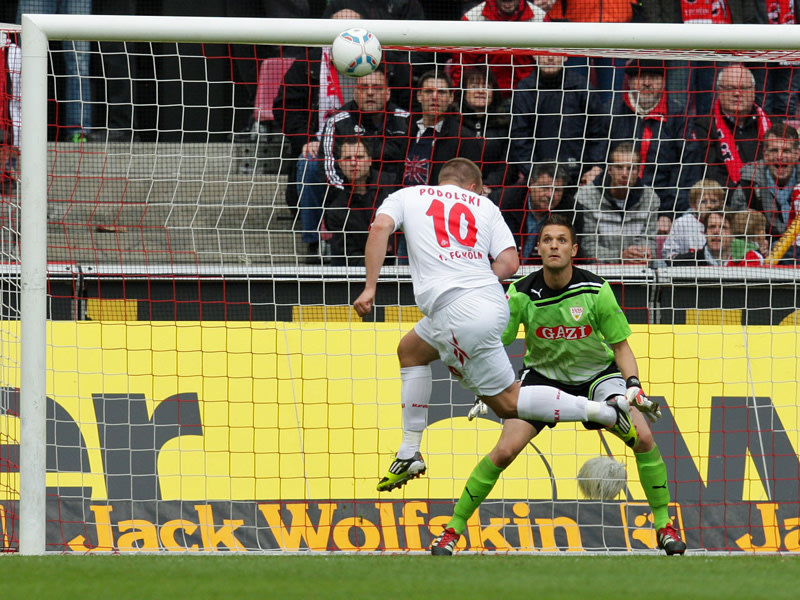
576, 340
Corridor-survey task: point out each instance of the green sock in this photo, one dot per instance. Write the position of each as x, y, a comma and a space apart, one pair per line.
653, 477
480, 483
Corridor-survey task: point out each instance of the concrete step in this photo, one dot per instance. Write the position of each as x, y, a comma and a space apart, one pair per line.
171, 216
150, 203
165, 216
131, 247
154, 160
252, 190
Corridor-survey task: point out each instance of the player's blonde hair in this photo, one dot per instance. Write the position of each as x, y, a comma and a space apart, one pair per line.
461, 172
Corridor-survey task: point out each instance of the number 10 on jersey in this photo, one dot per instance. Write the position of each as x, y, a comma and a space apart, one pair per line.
446, 225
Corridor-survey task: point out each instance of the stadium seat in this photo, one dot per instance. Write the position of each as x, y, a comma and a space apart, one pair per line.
270, 75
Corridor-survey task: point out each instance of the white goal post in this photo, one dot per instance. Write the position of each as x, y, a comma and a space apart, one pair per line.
780, 42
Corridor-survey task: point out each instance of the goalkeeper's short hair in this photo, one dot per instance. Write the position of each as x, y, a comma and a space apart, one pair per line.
561, 221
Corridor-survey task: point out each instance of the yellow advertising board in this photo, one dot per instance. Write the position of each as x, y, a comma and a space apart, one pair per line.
282, 413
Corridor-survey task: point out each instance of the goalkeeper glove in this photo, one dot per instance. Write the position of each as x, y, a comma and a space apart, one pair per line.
637, 398
479, 408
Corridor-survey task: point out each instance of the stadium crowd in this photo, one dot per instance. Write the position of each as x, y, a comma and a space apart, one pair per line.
627, 149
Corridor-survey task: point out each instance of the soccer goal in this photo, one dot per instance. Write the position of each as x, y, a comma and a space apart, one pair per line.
181, 367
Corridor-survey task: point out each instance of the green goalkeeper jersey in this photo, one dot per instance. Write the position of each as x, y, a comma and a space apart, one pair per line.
567, 331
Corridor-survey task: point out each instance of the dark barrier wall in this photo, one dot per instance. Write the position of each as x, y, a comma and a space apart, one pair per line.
745, 303
663, 297
646, 301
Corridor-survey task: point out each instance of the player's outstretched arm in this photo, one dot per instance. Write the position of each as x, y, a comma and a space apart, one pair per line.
626, 361
506, 264
375, 254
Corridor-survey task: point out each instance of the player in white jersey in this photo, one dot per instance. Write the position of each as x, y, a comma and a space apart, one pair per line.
452, 231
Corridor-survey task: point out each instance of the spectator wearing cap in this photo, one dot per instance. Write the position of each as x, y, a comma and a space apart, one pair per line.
608, 72
691, 83
642, 115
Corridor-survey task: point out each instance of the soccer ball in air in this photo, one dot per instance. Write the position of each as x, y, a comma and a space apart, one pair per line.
356, 52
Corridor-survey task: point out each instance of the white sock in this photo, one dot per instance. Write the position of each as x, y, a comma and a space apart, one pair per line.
600, 412
551, 405
410, 444
415, 394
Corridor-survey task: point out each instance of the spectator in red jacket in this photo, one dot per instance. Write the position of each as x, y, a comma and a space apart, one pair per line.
509, 68
733, 134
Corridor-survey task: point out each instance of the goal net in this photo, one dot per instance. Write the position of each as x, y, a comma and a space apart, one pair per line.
198, 201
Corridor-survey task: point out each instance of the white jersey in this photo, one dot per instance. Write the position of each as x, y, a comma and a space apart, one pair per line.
450, 233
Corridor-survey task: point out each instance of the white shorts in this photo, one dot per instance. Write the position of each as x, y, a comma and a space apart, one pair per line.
467, 333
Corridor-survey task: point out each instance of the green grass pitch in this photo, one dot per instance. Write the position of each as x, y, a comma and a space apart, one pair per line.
403, 577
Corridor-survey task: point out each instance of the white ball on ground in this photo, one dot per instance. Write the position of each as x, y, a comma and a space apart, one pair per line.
601, 478
356, 52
